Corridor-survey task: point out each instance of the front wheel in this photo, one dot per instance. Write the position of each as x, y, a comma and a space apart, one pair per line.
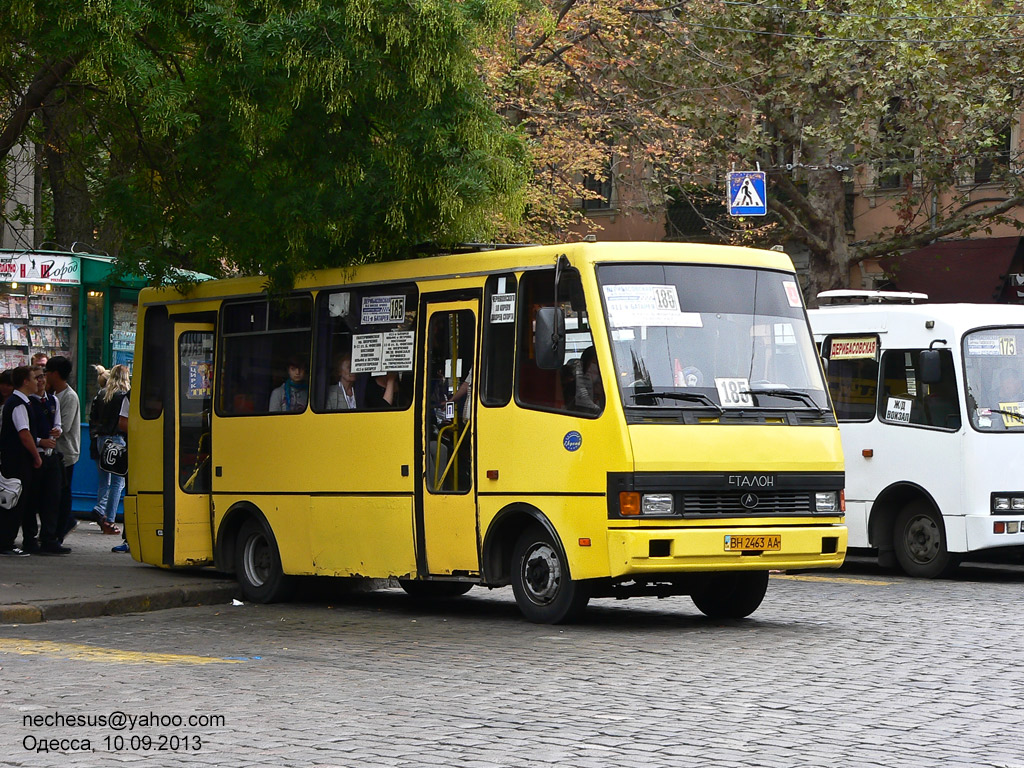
544, 591
434, 590
731, 595
919, 539
258, 565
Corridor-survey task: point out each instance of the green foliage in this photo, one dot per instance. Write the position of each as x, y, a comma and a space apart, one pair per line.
276, 136
822, 94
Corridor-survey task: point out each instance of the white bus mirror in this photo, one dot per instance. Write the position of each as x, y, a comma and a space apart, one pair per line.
549, 338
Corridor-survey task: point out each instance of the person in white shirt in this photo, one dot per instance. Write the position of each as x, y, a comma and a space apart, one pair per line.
69, 444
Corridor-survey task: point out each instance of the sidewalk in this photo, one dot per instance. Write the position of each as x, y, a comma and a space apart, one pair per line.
93, 581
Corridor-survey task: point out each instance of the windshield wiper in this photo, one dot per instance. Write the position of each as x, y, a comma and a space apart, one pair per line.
791, 394
1018, 416
694, 397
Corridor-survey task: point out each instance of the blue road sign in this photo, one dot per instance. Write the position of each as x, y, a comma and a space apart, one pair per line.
747, 193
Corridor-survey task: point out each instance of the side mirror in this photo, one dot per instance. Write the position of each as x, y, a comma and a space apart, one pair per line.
930, 366
549, 338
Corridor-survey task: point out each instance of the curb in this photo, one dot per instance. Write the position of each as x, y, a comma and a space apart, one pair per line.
175, 597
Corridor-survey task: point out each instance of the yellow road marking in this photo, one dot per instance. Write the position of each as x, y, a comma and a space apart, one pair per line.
837, 580
77, 652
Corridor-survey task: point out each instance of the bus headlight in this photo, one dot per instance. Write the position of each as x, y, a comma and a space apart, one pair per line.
826, 501
1007, 502
657, 504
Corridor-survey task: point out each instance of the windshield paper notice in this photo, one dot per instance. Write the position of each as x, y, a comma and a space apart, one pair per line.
630, 306
898, 410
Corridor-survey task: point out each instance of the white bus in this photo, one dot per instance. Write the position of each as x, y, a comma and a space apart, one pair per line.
929, 400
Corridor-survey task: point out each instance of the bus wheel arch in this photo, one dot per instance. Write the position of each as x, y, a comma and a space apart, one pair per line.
501, 537
247, 543
907, 528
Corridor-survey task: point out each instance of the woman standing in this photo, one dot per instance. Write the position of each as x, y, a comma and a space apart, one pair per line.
106, 426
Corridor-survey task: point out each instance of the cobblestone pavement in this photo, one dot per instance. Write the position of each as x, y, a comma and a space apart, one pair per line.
857, 668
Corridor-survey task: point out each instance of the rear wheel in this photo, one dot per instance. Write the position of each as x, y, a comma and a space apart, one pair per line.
258, 565
544, 591
731, 595
919, 539
434, 590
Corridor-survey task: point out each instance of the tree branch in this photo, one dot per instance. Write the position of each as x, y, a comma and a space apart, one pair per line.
931, 234
49, 77
562, 13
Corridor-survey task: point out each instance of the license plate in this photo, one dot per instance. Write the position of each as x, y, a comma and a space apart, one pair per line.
772, 543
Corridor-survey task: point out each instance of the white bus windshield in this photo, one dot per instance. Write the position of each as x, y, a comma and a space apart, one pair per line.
709, 337
994, 371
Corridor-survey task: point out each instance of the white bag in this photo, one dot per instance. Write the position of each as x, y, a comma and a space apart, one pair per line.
10, 492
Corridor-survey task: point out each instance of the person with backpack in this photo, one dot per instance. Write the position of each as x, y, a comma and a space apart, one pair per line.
106, 425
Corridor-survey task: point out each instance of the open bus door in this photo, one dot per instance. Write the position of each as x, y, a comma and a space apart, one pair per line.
188, 515
449, 500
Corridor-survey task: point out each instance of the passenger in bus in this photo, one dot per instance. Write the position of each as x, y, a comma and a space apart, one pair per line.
462, 395
292, 396
588, 395
342, 396
382, 390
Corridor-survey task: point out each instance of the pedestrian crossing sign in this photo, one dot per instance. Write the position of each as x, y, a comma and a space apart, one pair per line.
747, 193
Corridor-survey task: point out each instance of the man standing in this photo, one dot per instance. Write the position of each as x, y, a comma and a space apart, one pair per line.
58, 371
19, 456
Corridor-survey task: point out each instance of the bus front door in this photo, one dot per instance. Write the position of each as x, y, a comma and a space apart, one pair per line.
449, 501
188, 522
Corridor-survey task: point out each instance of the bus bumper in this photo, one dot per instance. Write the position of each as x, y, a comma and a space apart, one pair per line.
682, 550
987, 531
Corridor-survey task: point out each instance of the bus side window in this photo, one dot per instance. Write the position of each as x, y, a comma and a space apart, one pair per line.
852, 383
258, 339
931, 405
553, 390
370, 332
497, 361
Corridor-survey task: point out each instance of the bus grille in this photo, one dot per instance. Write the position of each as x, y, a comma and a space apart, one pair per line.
713, 504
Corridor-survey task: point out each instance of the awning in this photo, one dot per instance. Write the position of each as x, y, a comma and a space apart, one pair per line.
973, 271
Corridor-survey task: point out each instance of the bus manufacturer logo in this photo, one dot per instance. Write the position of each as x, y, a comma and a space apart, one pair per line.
752, 481
748, 501
572, 441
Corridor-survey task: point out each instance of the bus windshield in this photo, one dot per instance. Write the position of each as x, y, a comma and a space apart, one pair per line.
994, 371
711, 338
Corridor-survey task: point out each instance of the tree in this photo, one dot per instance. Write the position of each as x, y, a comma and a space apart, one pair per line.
271, 137
826, 96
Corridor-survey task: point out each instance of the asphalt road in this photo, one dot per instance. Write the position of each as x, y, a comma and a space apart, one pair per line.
853, 668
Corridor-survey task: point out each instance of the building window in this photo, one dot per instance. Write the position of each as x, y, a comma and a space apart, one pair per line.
598, 196
994, 159
891, 172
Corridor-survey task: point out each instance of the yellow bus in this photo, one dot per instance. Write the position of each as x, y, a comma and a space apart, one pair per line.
576, 421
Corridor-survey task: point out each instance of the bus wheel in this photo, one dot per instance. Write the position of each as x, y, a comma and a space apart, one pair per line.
920, 542
540, 580
258, 565
731, 595
434, 590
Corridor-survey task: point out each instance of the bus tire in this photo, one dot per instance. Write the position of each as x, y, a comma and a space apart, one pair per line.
258, 565
540, 580
731, 595
919, 538
434, 590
